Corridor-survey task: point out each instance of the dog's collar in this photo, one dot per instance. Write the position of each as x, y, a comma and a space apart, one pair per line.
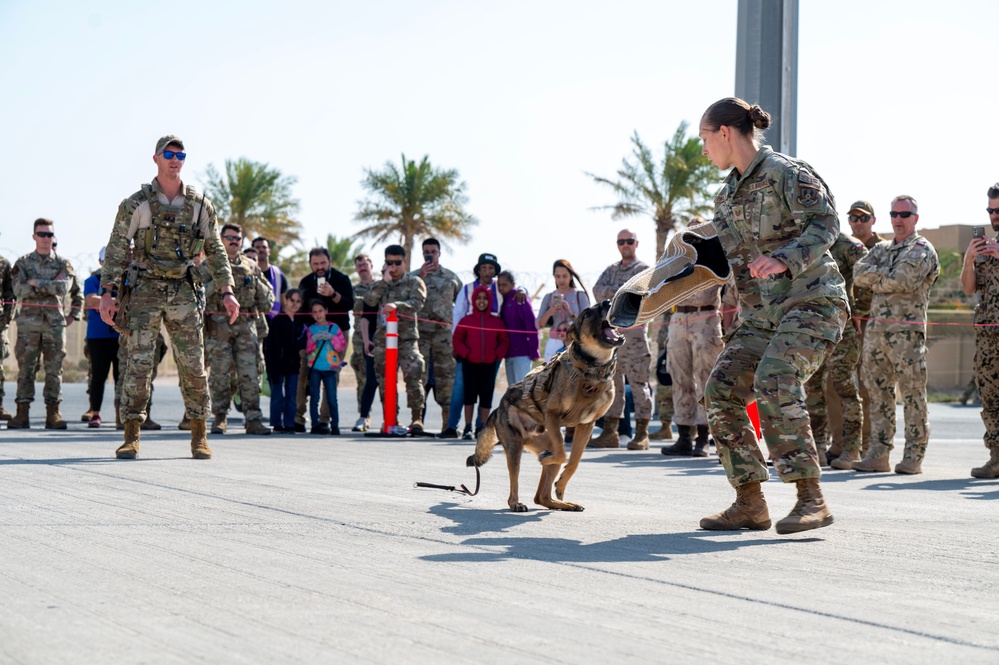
586, 364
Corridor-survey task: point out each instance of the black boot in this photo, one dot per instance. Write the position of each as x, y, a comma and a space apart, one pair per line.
701, 447
684, 444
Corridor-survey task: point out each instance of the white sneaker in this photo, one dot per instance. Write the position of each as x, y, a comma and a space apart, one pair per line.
361, 425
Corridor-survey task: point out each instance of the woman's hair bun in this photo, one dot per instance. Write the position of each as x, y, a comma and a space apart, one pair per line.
759, 117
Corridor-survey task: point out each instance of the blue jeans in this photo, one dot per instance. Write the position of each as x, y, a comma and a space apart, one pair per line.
329, 380
283, 389
516, 369
457, 407
370, 386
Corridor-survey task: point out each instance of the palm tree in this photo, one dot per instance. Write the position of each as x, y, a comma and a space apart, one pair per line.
342, 252
258, 198
417, 200
677, 186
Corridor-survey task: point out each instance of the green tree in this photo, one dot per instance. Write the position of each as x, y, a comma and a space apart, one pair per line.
417, 200
258, 198
342, 252
676, 186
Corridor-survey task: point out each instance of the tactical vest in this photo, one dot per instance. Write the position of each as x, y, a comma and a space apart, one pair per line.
174, 237
245, 285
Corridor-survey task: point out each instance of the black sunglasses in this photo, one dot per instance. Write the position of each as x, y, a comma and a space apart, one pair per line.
622, 241
992, 211
905, 214
860, 218
170, 154
44, 234
397, 262
232, 238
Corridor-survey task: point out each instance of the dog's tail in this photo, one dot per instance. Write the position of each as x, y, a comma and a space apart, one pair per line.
486, 442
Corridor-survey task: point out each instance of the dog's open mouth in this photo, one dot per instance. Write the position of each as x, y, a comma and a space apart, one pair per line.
610, 335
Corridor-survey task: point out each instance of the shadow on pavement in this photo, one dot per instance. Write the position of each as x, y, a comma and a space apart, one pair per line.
974, 487
86, 460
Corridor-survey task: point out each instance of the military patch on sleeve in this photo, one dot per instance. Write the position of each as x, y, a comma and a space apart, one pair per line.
809, 189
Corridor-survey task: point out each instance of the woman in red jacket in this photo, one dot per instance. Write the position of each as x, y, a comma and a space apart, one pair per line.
480, 342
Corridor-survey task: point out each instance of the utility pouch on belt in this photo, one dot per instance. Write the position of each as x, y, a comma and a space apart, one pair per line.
121, 317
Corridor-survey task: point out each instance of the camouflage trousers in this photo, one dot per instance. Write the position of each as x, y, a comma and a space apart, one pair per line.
437, 349
4, 354
158, 355
841, 370
987, 377
39, 338
173, 304
633, 369
664, 404
357, 364
772, 368
412, 366
695, 340
233, 348
890, 359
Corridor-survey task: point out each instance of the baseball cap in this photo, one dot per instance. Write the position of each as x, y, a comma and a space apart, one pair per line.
100, 255
863, 206
167, 140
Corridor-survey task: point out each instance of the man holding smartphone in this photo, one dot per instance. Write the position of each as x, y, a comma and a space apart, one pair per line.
434, 325
981, 275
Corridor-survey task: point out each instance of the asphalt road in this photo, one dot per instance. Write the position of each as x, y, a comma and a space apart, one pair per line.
305, 549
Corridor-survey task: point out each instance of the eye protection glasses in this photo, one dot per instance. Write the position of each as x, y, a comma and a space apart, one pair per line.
905, 214
394, 263
170, 154
625, 241
859, 218
45, 234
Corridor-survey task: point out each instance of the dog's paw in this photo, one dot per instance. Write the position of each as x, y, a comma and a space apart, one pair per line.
518, 508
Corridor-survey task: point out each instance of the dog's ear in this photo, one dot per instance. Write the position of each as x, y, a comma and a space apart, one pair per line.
571, 334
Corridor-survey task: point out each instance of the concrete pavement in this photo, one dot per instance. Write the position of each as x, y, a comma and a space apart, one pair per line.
310, 549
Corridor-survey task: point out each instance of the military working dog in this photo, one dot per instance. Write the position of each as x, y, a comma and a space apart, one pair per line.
574, 388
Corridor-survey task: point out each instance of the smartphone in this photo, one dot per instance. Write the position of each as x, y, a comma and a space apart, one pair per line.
428, 258
320, 281
978, 232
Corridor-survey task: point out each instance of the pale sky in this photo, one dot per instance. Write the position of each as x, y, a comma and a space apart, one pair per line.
520, 97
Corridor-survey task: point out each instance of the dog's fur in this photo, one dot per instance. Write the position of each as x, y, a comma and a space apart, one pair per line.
575, 388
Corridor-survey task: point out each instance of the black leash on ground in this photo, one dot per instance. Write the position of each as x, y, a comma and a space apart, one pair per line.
452, 488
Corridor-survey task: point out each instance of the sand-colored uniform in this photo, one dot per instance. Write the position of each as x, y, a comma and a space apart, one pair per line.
900, 274
165, 289
695, 340
791, 321
436, 332
41, 321
634, 358
357, 341
987, 344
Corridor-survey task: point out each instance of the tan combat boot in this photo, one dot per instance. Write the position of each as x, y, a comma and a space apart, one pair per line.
821, 454
416, 426
845, 460
664, 432
990, 469
811, 511
219, 424
130, 448
199, 443
4, 413
876, 459
53, 419
185, 423
748, 512
20, 421
87, 417
641, 440
257, 427
609, 438
908, 466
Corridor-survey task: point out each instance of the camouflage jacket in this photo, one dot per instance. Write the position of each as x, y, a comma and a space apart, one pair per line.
252, 289
442, 290
862, 296
781, 209
6, 294
987, 288
360, 290
196, 215
408, 295
846, 251
610, 281
46, 301
900, 275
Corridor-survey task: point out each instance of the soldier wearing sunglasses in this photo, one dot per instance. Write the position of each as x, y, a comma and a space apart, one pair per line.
981, 275
168, 224
41, 282
900, 272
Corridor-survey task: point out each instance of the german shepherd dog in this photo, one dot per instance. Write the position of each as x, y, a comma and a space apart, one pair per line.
575, 388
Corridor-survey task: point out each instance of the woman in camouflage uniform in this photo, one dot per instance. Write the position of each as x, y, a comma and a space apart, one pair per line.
776, 221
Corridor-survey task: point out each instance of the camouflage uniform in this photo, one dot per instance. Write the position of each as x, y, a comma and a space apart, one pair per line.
841, 367
695, 340
6, 316
791, 320
357, 341
862, 309
168, 235
664, 394
408, 294
634, 358
41, 321
436, 333
159, 353
235, 346
900, 275
987, 345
